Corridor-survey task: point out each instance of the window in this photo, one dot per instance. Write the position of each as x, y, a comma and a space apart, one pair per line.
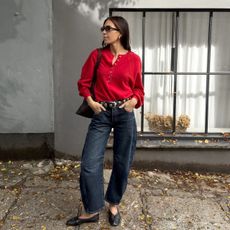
186, 69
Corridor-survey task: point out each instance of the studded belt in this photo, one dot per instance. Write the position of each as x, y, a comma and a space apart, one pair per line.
113, 104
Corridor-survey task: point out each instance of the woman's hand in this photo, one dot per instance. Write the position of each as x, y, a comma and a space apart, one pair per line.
129, 105
95, 106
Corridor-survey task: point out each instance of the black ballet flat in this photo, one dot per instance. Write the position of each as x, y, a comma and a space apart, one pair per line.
114, 220
75, 221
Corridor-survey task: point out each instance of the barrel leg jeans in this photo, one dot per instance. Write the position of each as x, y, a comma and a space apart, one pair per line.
92, 162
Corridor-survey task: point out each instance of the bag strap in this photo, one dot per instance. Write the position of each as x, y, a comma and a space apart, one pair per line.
95, 72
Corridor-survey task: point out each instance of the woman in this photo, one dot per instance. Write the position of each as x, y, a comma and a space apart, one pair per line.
118, 90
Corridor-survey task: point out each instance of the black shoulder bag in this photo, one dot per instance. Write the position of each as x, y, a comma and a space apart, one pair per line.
84, 109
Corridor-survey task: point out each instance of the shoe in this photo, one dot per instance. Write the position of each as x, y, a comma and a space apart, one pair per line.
75, 221
114, 220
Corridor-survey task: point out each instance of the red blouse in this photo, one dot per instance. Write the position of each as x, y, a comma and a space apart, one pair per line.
116, 81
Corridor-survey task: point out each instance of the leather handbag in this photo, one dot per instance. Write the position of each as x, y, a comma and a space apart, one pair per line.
84, 109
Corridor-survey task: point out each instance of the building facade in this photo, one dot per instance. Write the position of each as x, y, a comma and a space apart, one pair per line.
185, 54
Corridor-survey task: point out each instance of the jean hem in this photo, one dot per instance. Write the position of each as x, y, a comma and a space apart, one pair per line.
113, 203
96, 211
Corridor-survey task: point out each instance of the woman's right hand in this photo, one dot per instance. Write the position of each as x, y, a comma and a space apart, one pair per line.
95, 106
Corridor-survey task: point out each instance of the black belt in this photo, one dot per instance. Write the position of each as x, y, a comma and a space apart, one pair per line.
113, 104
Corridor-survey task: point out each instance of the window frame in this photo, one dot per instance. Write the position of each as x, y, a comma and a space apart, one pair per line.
175, 73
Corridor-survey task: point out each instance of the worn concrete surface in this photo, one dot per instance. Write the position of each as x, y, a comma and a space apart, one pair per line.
41, 195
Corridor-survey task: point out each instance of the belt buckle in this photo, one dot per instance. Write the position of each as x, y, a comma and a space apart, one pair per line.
112, 104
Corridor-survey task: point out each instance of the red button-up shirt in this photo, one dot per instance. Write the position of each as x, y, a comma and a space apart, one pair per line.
116, 81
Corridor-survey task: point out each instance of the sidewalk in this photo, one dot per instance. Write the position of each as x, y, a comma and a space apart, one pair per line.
40, 196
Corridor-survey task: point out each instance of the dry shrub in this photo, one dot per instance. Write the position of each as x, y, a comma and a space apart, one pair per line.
162, 123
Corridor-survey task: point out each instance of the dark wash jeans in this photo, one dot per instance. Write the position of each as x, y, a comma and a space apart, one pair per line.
91, 176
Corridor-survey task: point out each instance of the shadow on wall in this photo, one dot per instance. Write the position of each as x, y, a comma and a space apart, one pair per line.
76, 30
10, 17
102, 5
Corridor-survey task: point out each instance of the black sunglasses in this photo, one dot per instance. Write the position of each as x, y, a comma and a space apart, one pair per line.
108, 28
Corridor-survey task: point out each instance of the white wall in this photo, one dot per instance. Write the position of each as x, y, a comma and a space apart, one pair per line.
94, 14
182, 4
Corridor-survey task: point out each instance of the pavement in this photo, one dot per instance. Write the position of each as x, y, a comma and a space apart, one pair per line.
42, 195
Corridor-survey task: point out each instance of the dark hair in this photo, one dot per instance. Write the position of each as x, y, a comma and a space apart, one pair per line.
123, 27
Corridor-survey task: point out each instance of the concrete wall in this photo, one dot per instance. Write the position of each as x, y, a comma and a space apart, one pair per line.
76, 33
26, 78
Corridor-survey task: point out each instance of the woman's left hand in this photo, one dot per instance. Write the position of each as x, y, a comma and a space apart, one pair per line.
129, 105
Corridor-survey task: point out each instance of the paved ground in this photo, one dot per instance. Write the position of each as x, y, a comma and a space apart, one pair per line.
42, 196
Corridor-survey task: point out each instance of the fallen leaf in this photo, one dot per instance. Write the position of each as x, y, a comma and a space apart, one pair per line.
149, 219
16, 218
142, 217
43, 227
77, 166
